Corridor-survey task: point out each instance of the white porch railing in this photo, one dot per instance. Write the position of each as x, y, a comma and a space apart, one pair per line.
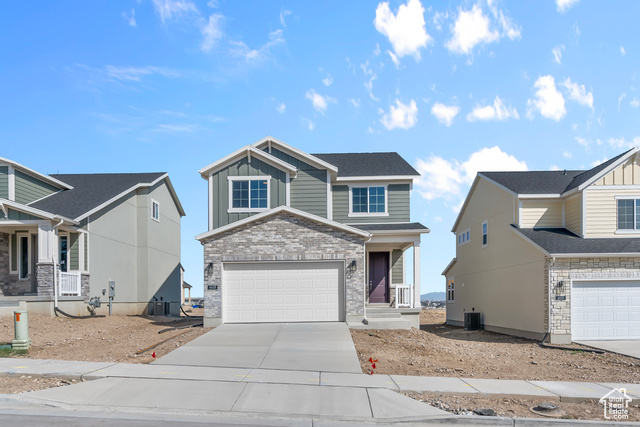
69, 284
404, 296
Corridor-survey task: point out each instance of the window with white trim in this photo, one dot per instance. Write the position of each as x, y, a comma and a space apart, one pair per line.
485, 234
450, 290
155, 210
628, 214
248, 194
464, 237
368, 201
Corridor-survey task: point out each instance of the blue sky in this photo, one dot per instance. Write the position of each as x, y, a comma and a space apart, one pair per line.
454, 87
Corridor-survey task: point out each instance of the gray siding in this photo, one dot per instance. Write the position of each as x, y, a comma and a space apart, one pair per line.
243, 168
308, 188
74, 252
397, 203
4, 182
30, 189
397, 272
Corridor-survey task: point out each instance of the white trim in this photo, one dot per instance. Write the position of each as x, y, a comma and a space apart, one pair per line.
312, 160
519, 213
615, 187
66, 235
485, 222
242, 152
231, 179
33, 211
329, 197
398, 232
28, 171
627, 232
19, 237
598, 255
11, 182
450, 290
287, 189
368, 214
451, 263
210, 188
44, 197
608, 169
154, 202
583, 219
277, 210
540, 196
636, 226
409, 178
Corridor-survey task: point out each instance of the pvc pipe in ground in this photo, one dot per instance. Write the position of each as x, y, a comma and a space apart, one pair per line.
21, 326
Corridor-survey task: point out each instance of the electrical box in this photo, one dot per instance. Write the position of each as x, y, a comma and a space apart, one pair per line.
472, 321
112, 289
159, 308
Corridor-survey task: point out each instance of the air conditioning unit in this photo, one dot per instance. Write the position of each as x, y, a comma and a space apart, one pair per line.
472, 321
158, 309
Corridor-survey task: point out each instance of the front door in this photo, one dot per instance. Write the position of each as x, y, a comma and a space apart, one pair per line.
378, 277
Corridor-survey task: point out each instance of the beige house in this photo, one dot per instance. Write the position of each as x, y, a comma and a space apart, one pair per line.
553, 252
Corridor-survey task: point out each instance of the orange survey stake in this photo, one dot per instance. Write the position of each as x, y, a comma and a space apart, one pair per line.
17, 317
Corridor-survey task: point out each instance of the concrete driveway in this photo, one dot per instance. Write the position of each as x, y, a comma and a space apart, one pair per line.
625, 347
325, 347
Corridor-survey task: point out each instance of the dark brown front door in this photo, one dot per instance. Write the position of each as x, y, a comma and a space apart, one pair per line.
378, 277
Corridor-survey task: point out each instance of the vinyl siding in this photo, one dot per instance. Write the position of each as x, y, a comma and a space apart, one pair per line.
627, 173
602, 209
397, 270
573, 214
244, 168
4, 182
541, 213
74, 252
398, 205
30, 189
16, 215
308, 188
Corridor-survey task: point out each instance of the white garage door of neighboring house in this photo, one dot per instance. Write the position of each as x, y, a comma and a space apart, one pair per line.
283, 292
605, 310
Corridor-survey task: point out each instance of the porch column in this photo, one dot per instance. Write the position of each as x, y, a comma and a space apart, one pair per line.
47, 243
416, 273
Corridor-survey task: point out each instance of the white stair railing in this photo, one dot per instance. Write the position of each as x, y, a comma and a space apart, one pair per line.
404, 296
69, 284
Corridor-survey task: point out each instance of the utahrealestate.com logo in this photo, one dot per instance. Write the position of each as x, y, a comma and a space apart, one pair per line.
616, 404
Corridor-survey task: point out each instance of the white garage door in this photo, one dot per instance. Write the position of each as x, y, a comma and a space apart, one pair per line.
283, 292
605, 310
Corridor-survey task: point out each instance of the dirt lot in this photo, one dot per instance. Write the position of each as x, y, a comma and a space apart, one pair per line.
446, 351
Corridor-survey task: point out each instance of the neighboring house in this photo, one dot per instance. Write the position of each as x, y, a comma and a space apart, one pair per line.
551, 251
76, 233
310, 237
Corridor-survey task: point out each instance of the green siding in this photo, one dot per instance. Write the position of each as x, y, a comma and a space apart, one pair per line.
86, 251
30, 189
14, 252
397, 272
74, 252
398, 205
17, 215
4, 182
243, 168
308, 188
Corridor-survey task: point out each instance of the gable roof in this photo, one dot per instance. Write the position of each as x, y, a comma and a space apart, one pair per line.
92, 192
42, 177
308, 158
370, 164
246, 151
561, 242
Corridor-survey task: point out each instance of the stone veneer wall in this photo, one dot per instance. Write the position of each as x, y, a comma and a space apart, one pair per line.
9, 283
283, 237
84, 283
566, 269
44, 276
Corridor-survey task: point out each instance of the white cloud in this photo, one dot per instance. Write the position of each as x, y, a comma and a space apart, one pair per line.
211, 32
548, 101
621, 142
327, 81
578, 93
599, 162
445, 114
175, 128
634, 102
369, 86
283, 14
403, 116
319, 102
566, 154
131, 20
281, 108
449, 180
168, 9
406, 30
355, 102
622, 96
557, 53
582, 141
308, 124
241, 50
135, 74
623, 51
439, 18
394, 58
377, 50
497, 111
564, 5
470, 29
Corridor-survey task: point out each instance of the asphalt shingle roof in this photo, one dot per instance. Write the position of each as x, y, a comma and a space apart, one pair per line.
368, 164
562, 241
391, 227
546, 182
90, 191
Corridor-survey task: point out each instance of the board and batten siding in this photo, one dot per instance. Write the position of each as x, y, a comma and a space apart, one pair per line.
309, 188
74, 252
601, 210
397, 270
541, 213
4, 182
244, 168
30, 189
17, 215
627, 173
573, 214
398, 205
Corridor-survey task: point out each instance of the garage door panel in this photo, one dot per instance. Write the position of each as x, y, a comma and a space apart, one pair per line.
282, 292
605, 310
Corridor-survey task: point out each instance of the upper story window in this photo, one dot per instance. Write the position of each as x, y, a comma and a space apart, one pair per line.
464, 237
368, 201
450, 290
485, 234
248, 193
628, 214
155, 210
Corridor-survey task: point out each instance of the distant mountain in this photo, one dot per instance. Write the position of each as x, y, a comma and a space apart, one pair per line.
433, 296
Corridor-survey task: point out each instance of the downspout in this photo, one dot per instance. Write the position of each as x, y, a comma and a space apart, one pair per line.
55, 274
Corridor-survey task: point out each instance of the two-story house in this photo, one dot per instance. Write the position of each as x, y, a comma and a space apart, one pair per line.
298, 237
65, 237
554, 252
